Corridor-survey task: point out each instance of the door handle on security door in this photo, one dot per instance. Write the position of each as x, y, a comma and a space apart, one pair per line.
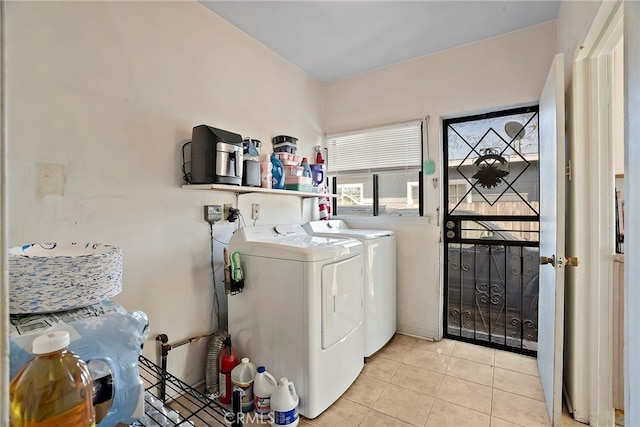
546, 260
560, 261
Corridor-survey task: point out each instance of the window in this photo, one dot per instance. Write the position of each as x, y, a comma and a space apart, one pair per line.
350, 194
495, 157
459, 191
377, 171
412, 193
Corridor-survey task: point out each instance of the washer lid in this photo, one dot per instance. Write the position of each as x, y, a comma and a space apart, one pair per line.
330, 225
272, 242
338, 228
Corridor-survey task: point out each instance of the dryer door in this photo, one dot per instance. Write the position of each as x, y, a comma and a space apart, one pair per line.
342, 304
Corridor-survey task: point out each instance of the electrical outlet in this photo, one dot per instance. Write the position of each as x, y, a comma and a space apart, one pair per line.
226, 212
212, 213
255, 211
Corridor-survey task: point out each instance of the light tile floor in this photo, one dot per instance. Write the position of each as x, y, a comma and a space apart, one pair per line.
414, 382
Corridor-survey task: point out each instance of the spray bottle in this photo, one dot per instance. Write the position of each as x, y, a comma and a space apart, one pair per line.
277, 172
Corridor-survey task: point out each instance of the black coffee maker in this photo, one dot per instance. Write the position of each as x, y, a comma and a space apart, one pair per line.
216, 156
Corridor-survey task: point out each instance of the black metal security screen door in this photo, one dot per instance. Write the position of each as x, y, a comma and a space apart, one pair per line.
491, 229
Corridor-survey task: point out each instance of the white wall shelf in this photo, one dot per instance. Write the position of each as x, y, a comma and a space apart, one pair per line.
241, 189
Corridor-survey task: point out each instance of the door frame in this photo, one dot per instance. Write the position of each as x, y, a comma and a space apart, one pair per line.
591, 226
632, 211
4, 273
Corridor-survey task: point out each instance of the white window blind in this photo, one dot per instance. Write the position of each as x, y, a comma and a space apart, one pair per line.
395, 147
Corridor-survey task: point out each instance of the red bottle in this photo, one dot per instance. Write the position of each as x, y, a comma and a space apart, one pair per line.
228, 360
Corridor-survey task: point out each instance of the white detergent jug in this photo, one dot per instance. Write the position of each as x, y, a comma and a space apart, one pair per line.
242, 377
263, 387
284, 403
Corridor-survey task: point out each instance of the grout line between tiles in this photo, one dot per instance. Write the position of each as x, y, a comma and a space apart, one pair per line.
386, 415
470, 381
493, 379
519, 394
439, 385
382, 392
426, 420
365, 417
459, 406
519, 372
507, 421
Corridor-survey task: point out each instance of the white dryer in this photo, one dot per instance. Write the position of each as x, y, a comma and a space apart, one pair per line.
301, 311
379, 278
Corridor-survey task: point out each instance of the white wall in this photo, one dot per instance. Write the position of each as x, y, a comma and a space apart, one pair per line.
101, 97
501, 72
574, 20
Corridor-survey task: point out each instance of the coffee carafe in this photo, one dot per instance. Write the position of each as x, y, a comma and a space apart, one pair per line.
228, 163
251, 169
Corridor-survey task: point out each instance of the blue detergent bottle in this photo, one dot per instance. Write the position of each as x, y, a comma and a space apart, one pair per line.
306, 167
277, 172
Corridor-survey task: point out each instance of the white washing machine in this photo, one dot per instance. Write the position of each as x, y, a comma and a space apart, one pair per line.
379, 278
301, 311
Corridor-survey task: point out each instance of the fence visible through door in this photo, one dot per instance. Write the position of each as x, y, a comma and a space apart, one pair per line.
491, 229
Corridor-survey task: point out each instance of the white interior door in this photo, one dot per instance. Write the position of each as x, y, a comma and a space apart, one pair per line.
552, 238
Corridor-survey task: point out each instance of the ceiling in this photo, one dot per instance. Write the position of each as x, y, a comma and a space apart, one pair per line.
335, 39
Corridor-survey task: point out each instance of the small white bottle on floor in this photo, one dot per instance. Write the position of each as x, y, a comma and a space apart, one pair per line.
263, 387
284, 403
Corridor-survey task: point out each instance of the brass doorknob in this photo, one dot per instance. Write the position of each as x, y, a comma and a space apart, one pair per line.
572, 261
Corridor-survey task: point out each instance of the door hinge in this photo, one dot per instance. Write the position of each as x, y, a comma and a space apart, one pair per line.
569, 171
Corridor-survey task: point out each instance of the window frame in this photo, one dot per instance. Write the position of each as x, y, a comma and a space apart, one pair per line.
374, 171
